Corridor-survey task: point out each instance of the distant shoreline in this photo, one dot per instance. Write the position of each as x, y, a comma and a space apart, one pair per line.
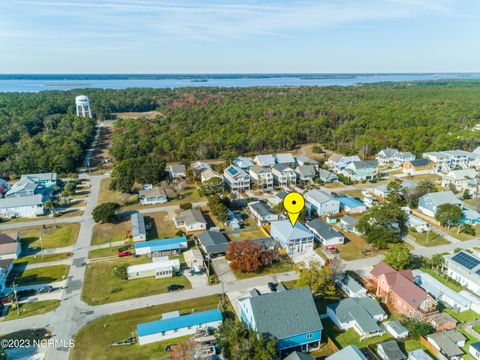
69, 84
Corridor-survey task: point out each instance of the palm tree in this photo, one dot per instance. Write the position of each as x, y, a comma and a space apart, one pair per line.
50, 205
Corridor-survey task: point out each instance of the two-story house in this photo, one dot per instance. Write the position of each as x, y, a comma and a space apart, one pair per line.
321, 203
294, 240
244, 163
262, 177
462, 180
361, 170
264, 160
285, 159
305, 173
284, 175
386, 156
236, 179
339, 162
419, 167
401, 158
428, 204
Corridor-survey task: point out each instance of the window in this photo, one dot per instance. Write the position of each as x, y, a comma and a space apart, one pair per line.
309, 336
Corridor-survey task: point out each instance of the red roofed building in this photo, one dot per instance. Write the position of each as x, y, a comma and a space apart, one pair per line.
397, 289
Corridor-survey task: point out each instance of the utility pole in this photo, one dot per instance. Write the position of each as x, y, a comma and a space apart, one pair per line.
41, 242
16, 299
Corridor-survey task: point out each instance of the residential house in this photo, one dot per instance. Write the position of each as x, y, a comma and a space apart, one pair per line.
382, 191
163, 247
208, 175
293, 240
305, 160
177, 171
418, 224
321, 203
236, 179
234, 220
398, 290
441, 293
361, 170
264, 160
305, 173
448, 343
4, 187
173, 325
33, 184
470, 216
6, 266
162, 267
464, 268
198, 167
339, 162
418, 354
428, 204
25, 187
25, 206
474, 350
296, 355
262, 177
47, 180
397, 330
286, 159
194, 259
399, 159
351, 352
290, 316
284, 175
443, 321
244, 163
262, 212
461, 180
360, 314
451, 160
389, 350
352, 287
324, 233
10, 246
386, 156
139, 233
351, 205
277, 198
419, 167
152, 196
327, 176
191, 220
213, 243
368, 199
349, 224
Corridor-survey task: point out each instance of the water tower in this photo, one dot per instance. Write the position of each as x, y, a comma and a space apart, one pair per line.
83, 106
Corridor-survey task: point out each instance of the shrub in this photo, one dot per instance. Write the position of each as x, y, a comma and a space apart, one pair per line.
186, 206
105, 212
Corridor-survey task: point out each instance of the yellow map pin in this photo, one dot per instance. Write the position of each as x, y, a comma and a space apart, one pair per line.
293, 204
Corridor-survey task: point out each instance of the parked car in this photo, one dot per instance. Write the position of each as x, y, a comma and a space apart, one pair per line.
272, 286
332, 249
174, 287
45, 289
124, 254
123, 248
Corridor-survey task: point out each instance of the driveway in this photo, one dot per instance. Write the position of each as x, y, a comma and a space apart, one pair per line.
223, 271
306, 257
197, 281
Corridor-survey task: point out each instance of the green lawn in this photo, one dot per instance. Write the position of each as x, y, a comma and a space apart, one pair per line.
162, 225
471, 339
433, 239
245, 235
107, 195
110, 232
283, 265
34, 308
453, 232
38, 276
102, 286
105, 252
94, 340
444, 280
465, 316
39, 259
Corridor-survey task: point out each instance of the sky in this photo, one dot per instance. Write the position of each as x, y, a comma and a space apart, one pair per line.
232, 36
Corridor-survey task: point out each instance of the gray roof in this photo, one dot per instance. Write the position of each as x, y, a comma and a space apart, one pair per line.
285, 158
191, 216
21, 201
299, 356
41, 176
265, 160
306, 160
362, 310
419, 354
392, 350
351, 352
388, 152
214, 242
404, 155
178, 169
282, 167
325, 174
442, 318
156, 191
352, 284
397, 327
262, 209
286, 313
349, 220
365, 164
318, 196
25, 183
324, 230
441, 197
257, 169
306, 170
420, 162
138, 224
447, 341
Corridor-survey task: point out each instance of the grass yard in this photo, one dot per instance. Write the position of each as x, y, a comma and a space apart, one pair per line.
433, 239
105, 252
31, 309
107, 195
162, 225
464, 316
36, 259
283, 265
61, 236
41, 275
353, 246
333, 185
460, 236
470, 339
102, 286
357, 193
245, 235
444, 280
110, 232
350, 337
94, 340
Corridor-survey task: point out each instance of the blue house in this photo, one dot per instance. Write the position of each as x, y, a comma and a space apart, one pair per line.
161, 247
294, 240
290, 316
244, 163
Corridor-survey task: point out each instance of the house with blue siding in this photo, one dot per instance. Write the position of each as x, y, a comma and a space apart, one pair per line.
290, 316
294, 240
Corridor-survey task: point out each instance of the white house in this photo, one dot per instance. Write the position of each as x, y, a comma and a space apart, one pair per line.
449, 343
236, 179
397, 330
177, 171
191, 220
352, 287
464, 268
418, 354
152, 196
293, 240
339, 162
284, 175
324, 233
418, 224
450, 160
209, 174
244, 163
264, 160
321, 203
173, 325
262, 177
305, 173
386, 156
327, 176
361, 170
286, 159
23, 206
474, 350
402, 157
262, 212
161, 267
139, 233
462, 180
10, 246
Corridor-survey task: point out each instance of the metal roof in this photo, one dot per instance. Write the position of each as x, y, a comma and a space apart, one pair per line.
163, 244
351, 352
287, 232
138, 224
33, 200
323, 230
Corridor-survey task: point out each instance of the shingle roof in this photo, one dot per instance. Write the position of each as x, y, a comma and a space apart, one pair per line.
442, 197
156, 191
318, 196
21, 201
306, 160
214, 242
262, 209
257, 169
306, 170
282, 167
138, 224
324, 230
392, 350
286, 313
285, 158
178, 169
351, 352
285, 229
322, 173
265, 160
420, 162
191, 216
365, 164
299, 356
447, 342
